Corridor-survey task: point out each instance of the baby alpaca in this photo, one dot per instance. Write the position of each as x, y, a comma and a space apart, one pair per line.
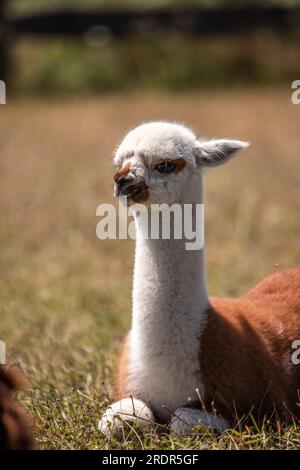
190, 359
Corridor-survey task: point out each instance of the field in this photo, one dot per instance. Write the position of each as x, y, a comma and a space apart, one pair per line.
65, 295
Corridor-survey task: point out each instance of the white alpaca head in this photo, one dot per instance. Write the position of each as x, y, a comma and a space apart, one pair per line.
158, 162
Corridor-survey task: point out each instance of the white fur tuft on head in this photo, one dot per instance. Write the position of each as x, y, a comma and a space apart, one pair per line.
157, 139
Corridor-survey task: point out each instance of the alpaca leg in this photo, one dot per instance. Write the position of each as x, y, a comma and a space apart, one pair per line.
185, 419
121, 415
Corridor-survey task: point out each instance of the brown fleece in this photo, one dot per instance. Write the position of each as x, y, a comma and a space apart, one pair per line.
15, 424
246, 351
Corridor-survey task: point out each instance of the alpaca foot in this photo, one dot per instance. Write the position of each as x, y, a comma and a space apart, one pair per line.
185, 419
119, 418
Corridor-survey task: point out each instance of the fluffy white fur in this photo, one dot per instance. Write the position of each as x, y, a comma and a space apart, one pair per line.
170, 297
123, 414
184, 420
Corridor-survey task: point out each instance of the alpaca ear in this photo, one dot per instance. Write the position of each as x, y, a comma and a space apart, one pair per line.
217, 151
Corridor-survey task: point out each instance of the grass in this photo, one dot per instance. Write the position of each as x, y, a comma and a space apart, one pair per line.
65, 295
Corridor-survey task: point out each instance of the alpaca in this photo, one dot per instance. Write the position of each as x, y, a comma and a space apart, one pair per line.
190, 359
15, 424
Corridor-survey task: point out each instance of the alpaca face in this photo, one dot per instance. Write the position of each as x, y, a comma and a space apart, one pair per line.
161, 162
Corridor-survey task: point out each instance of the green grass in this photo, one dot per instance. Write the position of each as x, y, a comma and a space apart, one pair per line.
65, 295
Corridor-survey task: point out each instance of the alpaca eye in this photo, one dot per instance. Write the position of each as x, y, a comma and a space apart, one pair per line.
165, 167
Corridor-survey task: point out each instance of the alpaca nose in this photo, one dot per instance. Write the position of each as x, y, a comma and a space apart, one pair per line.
125, 181
123, 175
129, 184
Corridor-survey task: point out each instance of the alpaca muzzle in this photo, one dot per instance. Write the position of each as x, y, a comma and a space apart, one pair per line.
136, 192
127, 185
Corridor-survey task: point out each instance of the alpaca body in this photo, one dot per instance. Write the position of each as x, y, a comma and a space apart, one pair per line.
246, 353
243, 361
189, 358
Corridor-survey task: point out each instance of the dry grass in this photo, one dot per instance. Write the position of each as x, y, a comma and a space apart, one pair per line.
65, 296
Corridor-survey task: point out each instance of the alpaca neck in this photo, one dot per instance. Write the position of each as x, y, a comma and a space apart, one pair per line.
170, 302
169, 284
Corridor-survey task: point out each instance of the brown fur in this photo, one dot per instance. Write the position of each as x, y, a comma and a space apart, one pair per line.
141, 194
122, 173
246, 350
15, 425
245, 356
180, 164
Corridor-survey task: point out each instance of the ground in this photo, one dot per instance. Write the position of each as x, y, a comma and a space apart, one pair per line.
65, 295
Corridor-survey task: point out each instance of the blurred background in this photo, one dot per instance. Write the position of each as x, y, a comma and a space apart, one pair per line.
95, 46
79, 75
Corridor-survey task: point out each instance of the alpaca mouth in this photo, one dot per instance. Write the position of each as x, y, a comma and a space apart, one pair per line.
134, 193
